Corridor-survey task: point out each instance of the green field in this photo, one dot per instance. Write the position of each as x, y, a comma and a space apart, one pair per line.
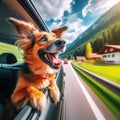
7, 48
108, 97
110, 72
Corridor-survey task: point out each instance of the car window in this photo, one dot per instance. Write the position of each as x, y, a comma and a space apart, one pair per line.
8, 33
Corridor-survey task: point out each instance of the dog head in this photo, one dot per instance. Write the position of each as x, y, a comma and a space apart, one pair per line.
40, 48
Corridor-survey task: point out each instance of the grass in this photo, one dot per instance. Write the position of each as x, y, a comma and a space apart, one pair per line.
7, 48
110, 72
108, 97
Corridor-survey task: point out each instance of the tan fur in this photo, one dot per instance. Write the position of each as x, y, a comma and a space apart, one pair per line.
43, 75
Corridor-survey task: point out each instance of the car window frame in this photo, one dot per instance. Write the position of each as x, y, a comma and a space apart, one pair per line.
35, 15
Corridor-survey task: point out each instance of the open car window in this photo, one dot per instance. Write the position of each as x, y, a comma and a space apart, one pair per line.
11, 57
8, 33
8, 36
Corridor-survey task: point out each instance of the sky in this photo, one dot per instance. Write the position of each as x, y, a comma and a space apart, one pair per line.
78, 15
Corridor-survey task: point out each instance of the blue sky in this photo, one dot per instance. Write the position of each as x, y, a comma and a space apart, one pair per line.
78, 15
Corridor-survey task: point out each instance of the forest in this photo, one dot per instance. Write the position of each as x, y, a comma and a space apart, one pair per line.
109, 35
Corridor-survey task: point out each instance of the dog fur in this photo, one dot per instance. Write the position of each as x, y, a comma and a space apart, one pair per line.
37, 74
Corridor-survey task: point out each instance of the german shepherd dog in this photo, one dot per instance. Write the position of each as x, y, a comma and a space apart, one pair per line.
41, 65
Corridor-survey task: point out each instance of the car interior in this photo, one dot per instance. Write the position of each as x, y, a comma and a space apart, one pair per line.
8, 35
10, 56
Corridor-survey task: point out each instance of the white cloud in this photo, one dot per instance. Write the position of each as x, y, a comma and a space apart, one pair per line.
98, 6
71, 36
75, 28
53, 8
56, 24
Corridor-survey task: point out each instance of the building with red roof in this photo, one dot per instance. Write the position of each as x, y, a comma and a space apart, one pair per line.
110, 53
95, 56
80, 58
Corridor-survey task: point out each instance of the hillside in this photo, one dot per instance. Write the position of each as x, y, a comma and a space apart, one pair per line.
105, 30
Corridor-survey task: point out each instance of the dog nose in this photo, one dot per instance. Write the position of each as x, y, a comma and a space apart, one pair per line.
60, 42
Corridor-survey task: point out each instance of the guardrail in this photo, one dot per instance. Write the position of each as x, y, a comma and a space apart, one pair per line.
107, 96
107, 83
52, 111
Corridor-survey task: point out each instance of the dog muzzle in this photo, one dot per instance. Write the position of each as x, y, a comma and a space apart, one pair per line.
50, 54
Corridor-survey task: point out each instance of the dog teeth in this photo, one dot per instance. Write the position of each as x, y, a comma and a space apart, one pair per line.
46, 57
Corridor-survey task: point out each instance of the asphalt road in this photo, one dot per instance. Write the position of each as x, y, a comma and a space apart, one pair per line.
81, 103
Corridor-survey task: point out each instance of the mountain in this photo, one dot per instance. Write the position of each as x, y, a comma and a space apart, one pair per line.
106, 20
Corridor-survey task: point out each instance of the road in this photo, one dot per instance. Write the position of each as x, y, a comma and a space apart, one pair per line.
80, 101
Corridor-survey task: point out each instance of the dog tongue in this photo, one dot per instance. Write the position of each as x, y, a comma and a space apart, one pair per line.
54, 59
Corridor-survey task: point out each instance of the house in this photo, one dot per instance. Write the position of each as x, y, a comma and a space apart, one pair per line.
95, 56
110, 53
80, 58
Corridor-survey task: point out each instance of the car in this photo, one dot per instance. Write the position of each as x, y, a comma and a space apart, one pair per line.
11, 60
65, 61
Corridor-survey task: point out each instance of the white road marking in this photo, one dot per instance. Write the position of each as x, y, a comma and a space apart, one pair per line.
92, 104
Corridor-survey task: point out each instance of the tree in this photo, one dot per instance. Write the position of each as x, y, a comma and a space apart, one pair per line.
88, 51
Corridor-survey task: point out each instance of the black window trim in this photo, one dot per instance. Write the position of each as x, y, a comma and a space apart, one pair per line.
32, 11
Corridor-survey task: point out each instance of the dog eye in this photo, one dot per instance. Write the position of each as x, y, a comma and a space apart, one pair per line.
43, 39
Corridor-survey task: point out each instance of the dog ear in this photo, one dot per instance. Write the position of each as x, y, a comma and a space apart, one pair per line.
23, 43
24, 28
59, 31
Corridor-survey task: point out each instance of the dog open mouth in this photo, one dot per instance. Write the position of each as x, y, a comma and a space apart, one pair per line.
50, 58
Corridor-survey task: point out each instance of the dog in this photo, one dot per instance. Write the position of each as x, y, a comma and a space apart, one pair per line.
41, 51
